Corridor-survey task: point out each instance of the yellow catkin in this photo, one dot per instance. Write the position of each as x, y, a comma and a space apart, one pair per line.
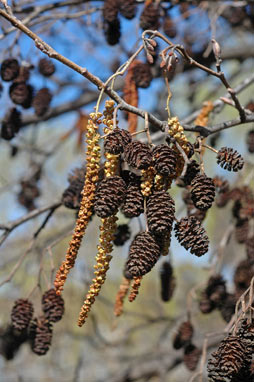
147, 178
159, 182
107, 228
88, 193
122, 293
135, 288
176, 131
103, 258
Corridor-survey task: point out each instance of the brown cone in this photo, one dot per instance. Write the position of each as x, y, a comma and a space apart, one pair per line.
128, 8
138, 155
110, 10
71, 197
21, 93
134, 201
191, 357
230, 159
160, 212
167, 280
191, 235
21, 314
164, 160
115, 142
52, 306
11, 124
143, 254
110, 194
184, 335
250, 141
202, 192
40, 332
227, 361
9, 69
150, 17
46, 67
142, 74
42, 101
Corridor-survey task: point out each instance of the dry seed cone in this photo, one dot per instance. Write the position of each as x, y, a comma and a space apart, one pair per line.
191, 235
142, 74
86, 204
184, 335
160, 212
52, 305
230, 159
46, 67
128, 8
9, 69
40, 332
143, 254
115, 142
134, 201
110, 194
138, 155
150, 17
164, 160
167, 280
41, 101
21, 314
202, 192
191, 357
227, 361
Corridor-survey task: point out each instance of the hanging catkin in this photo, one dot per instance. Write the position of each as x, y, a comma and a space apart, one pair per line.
86, 204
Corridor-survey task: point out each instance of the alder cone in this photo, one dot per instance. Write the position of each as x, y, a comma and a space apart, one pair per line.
42, 101
11, 124
250, 141
205, 304
243, 275
184, 335
21, 314
202, 192
109, 196
216, 289
24, 74
191, 357
11, 340
115, 142
110, 10
9, 69
21, 93
134, 201
128, 9
227, 361
246, 332
150, 17
142, 74
40, 332
112, 31
167, 280
71, 197
164, 160
229, 159
227, 307
52, 306
143, 254
138, 155
192, 170
241, 231
160, 212
169, 27
122, 235
191, 209
191, 235
249, 245
46, 67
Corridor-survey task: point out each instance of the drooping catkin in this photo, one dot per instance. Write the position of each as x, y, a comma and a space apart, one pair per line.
86, 204
103, 258
135, 288
107, 228
121, 294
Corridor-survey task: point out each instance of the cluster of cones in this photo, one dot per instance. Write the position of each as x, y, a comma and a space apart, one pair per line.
23, 94
24, 328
